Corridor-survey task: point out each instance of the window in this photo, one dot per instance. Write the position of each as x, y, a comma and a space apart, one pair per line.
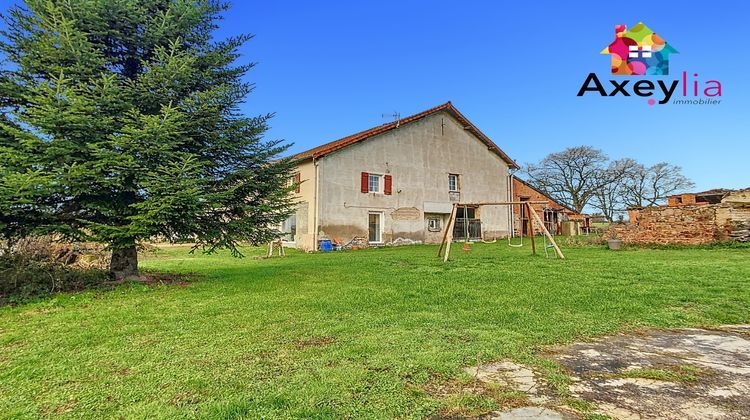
378, 184
635, 51
375, 225
296, 182
453, 183
373, 183
466, 213
289, 228
433, 224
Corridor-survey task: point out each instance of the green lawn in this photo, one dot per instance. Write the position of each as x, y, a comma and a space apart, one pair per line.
371, 333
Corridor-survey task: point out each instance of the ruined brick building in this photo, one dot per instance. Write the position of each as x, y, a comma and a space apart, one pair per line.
693, 218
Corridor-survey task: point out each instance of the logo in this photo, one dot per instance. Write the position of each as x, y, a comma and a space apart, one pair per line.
641, 52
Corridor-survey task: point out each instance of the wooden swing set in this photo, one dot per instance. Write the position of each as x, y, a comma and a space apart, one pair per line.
530, 216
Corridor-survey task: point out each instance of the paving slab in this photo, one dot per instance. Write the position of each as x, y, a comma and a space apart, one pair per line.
527, 413
665, 374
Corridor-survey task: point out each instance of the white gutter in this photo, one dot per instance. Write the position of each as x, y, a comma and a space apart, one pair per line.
511, 174
315, 207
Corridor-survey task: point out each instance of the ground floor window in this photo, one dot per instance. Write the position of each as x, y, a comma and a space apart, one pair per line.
433, 224
289, 228
375, 224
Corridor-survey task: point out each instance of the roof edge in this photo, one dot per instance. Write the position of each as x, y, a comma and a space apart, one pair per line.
526, 183
327, 148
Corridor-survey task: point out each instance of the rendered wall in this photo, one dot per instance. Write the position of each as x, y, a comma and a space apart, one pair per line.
419, 156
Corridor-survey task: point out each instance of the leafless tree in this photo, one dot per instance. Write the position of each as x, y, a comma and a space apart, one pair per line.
581, 176
574, 176
609, 198
650, 186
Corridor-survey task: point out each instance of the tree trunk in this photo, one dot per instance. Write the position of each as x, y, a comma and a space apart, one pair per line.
124, 262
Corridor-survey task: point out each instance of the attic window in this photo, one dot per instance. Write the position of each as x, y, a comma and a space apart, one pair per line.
642, 51
453, 183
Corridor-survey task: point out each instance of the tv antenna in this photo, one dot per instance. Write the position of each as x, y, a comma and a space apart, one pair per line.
396, 117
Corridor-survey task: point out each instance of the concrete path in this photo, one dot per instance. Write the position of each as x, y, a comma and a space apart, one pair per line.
667, 374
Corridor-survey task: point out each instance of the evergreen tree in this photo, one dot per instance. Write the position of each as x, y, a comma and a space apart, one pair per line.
121, 123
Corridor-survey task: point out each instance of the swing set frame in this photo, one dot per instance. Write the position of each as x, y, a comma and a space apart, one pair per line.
531, 217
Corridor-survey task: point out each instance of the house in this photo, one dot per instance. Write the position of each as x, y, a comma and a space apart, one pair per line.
396, 184
638, 51
554, 214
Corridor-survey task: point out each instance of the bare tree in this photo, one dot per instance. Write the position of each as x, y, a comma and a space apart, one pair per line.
581, 176
574, 176
609, 199
650, 186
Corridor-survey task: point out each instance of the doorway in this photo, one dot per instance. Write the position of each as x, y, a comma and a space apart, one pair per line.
524, 217
467, 224
375, 228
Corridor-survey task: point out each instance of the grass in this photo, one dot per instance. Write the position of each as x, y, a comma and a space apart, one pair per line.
371, 333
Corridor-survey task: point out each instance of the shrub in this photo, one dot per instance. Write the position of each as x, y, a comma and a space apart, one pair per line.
52, 250
23, 277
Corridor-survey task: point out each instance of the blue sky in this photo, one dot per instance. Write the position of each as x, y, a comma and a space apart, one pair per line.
329, 69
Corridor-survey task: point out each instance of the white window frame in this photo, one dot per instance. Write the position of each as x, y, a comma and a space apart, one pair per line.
381, 180
381, 218
437, 227
457, 187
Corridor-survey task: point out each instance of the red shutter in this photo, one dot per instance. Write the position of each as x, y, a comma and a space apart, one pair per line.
365, 182
297, 182
388, 185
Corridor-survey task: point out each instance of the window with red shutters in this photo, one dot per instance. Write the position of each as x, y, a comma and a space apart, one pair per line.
297, 182
387, 185
365, 182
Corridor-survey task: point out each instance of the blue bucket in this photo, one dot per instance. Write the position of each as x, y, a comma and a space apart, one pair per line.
326, 245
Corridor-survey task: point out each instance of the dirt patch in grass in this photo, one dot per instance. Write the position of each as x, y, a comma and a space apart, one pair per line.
185, 398
303, 343
469, 398
59, 410
122, 372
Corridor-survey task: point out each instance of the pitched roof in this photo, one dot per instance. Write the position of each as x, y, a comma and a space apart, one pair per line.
339, 144
526, 183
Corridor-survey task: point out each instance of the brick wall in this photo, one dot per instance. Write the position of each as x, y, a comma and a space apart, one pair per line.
690, 225
521, 190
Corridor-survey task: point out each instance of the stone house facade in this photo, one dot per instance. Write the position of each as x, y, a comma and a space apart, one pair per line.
396, 183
